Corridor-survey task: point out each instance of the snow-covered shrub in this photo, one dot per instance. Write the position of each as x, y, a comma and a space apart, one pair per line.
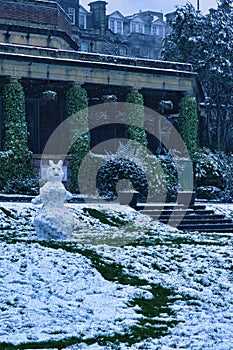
15, 159
213, 169
188, 123
22, 185
132, 168
118, 169
209, 192
171, 176
135, 116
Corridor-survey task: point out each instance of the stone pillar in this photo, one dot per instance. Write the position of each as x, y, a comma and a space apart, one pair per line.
18, 162
136, 117
77, 112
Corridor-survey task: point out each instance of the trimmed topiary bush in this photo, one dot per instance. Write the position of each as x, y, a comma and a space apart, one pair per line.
118, 169
213, 175
135, 117
15, 159
188, 123
76, 106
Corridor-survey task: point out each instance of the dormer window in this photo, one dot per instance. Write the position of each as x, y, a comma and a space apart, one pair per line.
71, 14
119, 27
112, 25
140, 28
137, 27
133, 27
115, 25
158, 30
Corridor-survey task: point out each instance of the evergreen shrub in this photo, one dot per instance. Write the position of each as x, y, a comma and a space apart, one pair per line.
15, 159
77, 111
135, 115
213, 175
189, 123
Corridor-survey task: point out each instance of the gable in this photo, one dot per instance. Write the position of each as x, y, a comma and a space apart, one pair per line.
116, 15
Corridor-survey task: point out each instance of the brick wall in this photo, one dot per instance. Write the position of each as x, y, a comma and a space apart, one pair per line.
36, 11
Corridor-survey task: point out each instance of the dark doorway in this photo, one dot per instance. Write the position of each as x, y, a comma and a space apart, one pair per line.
43, 117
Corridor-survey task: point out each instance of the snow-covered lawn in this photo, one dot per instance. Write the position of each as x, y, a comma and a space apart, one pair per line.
123, 282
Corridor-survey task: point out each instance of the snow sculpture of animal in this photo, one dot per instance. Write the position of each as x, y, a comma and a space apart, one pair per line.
53, 220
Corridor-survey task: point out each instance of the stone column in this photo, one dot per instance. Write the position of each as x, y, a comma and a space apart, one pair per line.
18, 158
77, 113
136, 117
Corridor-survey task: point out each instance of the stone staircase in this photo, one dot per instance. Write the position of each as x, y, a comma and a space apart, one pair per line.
194, 218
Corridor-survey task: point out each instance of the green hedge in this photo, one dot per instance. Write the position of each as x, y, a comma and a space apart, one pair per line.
77, 111
189, 123
15, 159
135, 109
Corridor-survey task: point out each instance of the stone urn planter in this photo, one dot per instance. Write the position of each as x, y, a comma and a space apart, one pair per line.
128, 198
187, 198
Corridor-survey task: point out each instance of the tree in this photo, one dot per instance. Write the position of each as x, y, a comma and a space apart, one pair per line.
207, 43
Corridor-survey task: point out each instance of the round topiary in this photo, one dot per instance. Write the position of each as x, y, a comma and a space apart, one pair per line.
118, 169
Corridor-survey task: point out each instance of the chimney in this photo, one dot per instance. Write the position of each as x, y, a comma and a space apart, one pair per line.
98, 15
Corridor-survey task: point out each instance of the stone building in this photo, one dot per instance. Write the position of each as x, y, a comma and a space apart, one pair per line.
37, 49
138, 35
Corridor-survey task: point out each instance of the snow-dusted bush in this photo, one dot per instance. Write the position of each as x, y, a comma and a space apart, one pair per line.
211, 168
209, 193
135, 116
118, 169
22, 185
188, 123
171, 176
76, 106
139, 170
213, 173
15, 159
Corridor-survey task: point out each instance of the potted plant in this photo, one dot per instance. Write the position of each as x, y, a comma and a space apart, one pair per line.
49, 95
166, 105
186, 194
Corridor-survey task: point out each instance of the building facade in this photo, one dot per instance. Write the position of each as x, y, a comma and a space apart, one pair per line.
37, 50
139, 35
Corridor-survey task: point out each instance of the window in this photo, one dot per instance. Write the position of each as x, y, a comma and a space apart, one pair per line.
134, 27
71, 14
122, 51
84, 46
112, 25
82, 21
115, 25
119, 27
160, 31
137, 27
145, 53
136, 52
154, 30
140, 28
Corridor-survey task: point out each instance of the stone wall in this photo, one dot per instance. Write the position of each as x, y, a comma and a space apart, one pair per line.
43, 12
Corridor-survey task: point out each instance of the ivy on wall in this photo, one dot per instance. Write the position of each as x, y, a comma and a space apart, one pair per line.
189, 123
135, 117
15, 159
76, 106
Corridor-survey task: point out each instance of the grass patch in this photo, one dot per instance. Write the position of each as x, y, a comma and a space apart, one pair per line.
104, 217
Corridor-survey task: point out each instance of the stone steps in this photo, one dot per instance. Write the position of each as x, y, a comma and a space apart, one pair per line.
194, 218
